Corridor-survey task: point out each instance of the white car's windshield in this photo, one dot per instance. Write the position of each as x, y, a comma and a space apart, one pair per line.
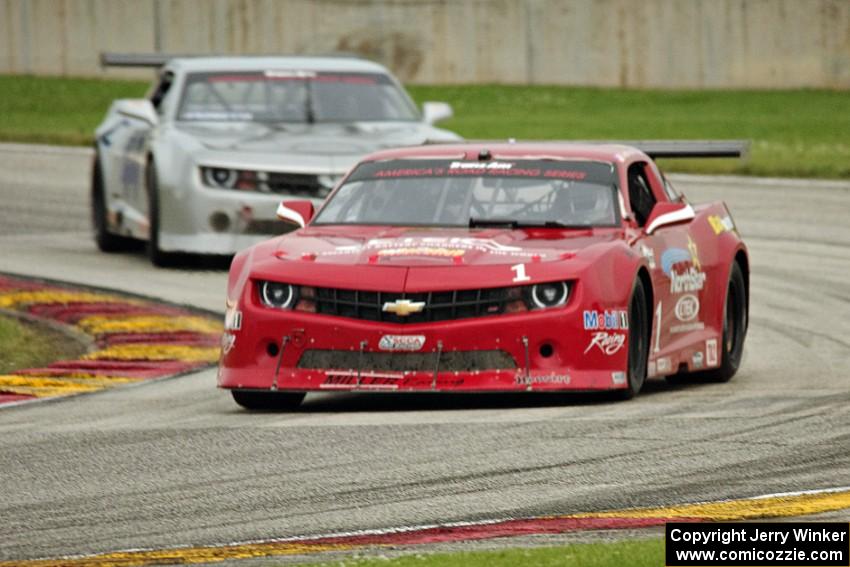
293, 96
513, 193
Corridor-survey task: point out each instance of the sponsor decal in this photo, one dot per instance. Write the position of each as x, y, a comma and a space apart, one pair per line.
431, 246
606, 320
694, 252
403, 307
423, 251
697, 359
608, 343
232, 320
228, 341
687, 327
480, 165
404, 343
649, 254
673, 256
689, 280
618, 378
711, 352
664, 366
523, 380
721, 224
685, 279
687, 308
289, 74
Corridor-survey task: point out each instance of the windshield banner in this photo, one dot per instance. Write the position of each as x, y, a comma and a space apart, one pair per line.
587, 171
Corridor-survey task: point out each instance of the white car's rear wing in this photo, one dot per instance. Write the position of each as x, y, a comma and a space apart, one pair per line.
154, 60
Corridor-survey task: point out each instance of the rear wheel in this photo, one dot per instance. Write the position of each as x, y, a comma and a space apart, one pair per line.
267, 400
734, 328
105, 240
638, 342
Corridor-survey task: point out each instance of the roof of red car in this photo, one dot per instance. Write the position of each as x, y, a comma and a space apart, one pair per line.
515, 150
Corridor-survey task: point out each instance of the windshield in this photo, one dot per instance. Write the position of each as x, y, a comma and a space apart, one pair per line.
293, 96
476, 193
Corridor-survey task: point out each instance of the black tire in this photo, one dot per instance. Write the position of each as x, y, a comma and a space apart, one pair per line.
735, 320
156, 256
267, 400
105, 240
638, 343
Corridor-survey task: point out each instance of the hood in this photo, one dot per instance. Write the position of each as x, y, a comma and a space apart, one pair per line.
303, 146
434, 258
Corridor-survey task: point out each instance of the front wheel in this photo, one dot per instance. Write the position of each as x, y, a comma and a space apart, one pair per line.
105, 240
156, 256
734, 328
638, 342
267, 400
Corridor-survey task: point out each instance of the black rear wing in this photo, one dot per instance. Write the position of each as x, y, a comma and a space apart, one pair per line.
691, 148
653, 148
152, 60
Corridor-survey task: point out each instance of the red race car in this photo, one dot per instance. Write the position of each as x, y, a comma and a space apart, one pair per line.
490, 267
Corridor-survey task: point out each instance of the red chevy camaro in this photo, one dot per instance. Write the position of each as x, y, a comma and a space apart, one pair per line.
490, 267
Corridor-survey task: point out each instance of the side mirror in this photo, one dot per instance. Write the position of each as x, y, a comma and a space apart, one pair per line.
433, 112
140, 109
295, 212
665, 214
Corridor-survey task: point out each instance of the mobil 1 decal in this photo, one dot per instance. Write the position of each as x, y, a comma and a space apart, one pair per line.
608, 327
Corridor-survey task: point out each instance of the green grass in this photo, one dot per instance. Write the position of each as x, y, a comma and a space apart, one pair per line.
801, 133
27, 346
640, 553
54, 110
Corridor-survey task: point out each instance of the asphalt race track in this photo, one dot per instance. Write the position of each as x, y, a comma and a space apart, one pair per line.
176, 462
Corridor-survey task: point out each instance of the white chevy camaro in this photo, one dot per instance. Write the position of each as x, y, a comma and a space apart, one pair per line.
200, 165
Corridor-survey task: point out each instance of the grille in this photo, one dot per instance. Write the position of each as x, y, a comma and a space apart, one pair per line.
295, 184
465, 361
439, 305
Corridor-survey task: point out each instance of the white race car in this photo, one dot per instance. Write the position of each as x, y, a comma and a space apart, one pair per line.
200, 165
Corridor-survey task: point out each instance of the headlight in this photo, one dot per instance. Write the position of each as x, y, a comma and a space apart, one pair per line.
548, 295
277, 295
224, 178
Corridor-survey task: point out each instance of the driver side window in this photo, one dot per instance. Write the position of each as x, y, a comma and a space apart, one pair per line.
640, 195
161, 90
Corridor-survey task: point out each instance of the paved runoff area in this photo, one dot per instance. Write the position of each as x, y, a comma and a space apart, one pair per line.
177, 464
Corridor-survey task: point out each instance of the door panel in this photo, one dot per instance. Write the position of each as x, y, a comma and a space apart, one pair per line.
679, 279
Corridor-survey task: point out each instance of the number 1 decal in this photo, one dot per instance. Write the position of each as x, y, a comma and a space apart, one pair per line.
520, 276
657, 328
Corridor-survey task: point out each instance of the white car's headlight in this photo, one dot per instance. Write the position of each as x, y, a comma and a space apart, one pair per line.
225, 178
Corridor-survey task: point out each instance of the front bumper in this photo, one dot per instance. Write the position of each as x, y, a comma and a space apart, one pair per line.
201, 220
539, 351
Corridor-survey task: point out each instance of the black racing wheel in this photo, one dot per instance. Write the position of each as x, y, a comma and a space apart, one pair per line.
267, 400
638, 342
735, 323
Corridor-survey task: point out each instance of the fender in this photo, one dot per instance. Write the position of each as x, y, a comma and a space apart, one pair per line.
715, 222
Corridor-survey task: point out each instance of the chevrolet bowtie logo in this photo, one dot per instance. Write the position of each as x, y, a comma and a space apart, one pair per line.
403, 307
